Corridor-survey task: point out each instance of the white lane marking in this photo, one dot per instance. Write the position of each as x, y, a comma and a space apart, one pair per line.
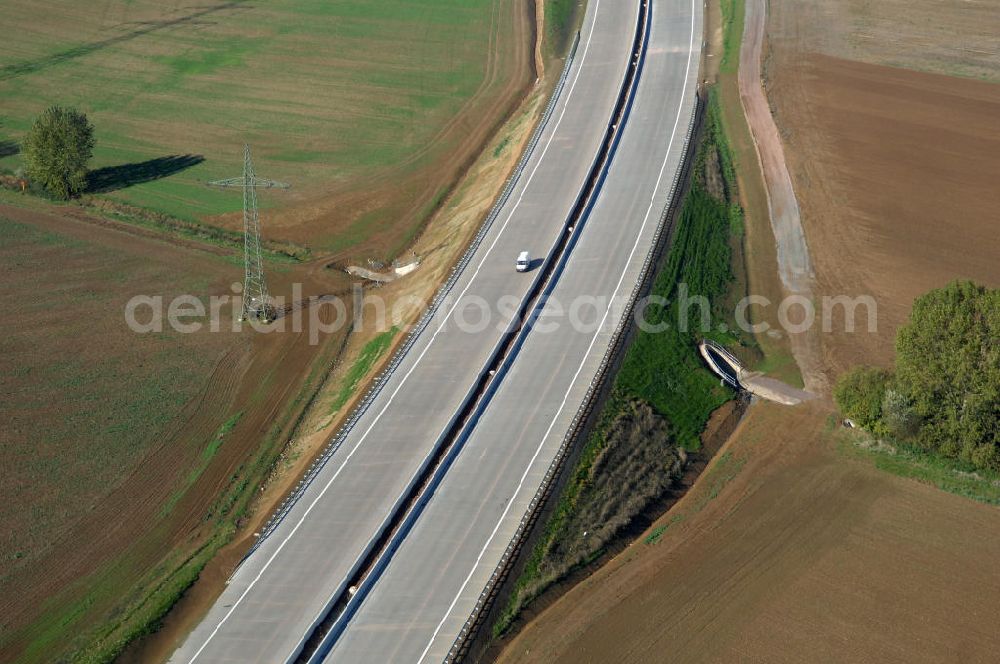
531, 176
565, 398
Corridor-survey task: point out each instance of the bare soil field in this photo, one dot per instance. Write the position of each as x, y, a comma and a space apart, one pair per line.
955, 39
788, 551
894, 169
62, 282
124, 455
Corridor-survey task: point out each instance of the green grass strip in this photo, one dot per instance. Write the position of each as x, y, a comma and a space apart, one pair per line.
370, 354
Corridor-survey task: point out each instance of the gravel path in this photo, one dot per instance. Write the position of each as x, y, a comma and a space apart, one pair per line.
794, 265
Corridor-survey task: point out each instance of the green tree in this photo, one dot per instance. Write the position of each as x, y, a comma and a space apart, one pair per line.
859, 394
898, 419
948, 368
57, 149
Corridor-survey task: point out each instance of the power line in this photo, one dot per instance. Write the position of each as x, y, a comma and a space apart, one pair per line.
256, 303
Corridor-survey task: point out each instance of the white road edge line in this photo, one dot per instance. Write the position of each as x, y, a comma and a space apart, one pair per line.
621, 279
416, 363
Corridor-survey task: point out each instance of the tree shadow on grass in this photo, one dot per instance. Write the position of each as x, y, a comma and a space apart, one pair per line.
112, 178
9, 149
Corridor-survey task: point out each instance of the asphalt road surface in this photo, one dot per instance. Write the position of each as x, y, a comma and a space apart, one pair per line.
417, 607
282, 590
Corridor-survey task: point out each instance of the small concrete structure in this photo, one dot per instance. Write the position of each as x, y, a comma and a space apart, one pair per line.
403, 270
725, 365
383, 277
370, 275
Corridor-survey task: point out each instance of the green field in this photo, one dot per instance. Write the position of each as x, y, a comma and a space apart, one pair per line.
331, 95
119, 441
81, 410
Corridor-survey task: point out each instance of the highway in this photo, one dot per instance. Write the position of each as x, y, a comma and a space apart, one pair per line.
285, 587
419, 604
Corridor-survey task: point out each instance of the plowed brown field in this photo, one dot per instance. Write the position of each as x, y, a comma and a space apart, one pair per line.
787, 551
895, 172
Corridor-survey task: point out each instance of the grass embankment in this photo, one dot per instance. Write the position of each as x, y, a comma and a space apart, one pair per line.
562, 19
914, 463
370, 354
276, 252
283, 252
663, 395
733, 14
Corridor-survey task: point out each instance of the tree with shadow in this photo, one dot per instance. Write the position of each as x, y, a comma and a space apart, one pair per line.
57, 149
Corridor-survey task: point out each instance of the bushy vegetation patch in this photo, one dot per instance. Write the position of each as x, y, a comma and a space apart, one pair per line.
56, 151
628, 462
944, 396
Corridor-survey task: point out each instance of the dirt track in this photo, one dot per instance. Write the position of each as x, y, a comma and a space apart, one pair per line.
794, 262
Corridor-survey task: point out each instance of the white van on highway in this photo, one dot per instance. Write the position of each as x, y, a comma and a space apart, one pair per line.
523, 261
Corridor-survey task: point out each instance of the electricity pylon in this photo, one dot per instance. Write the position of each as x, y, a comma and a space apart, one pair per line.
256, 304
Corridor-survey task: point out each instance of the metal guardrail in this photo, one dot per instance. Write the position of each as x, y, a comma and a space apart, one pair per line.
382, 379
487, 596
